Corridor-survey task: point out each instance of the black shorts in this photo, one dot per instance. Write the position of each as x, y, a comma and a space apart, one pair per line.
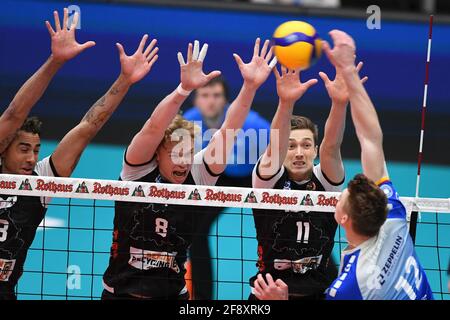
320, 296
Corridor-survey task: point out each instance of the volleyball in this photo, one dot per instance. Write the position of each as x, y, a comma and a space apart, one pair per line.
297, 45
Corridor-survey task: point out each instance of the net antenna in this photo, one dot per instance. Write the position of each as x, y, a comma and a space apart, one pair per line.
415, 214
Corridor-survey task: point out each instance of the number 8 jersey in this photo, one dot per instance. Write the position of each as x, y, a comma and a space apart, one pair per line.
384, 267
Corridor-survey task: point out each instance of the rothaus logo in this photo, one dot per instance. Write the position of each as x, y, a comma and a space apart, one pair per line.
53, 187
222, 196
7, 184
166, 194
110, 190
322, 200
278, 199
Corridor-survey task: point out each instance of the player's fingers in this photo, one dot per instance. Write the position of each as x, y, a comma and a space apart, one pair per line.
152, 54
152, 62
203, 52
281, 284
121, 50
141, 46
213, 75
359, 66
283, 70
310, 83
269, 54
270, 281
150, 47
364, 80
73, 26
277, 74
49, 28
256, 48
327, 49
273, 63
66, 18
238, 60
262, 282
189, 53
264, 48
196, 50
324, 77
57, 23
87, 45
180, 59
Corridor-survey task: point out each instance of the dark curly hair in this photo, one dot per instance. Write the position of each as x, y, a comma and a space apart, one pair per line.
366, 205
32, 125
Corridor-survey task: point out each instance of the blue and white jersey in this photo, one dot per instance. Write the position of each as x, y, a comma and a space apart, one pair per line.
384, 267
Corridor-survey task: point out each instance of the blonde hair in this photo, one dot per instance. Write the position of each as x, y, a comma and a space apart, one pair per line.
177, 124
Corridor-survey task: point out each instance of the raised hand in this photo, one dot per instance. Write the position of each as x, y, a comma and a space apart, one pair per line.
337, 89
289, 86
64, 44
136, 67
343, 53
258, 69
192, 76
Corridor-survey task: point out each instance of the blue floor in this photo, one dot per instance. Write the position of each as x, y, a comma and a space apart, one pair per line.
232, 238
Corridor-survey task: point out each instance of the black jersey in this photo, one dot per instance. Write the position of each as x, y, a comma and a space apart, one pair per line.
295, 246
150, 241
20, 217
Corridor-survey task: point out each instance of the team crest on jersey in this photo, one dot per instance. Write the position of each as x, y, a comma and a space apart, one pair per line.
311, 186
307, 201
287, 185
8, 202
388, 191
6, 269
25, 185
82, 188
195, 195
138, 192
251, 198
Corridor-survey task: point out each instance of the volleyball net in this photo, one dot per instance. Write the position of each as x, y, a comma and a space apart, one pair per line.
72, 246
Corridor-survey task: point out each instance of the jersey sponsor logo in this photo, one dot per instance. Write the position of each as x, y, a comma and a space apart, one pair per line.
25, 185
110, 190
393, 256
8, 202
8, 185
138, 192
53, 187
6, 269
82, 188
195, 195
147, 259
311, 186
251, 198
222, 196
307, 201
166, 194
278, 199
298, 266
324, 201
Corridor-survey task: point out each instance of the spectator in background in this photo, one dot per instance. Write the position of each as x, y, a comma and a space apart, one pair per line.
210, 106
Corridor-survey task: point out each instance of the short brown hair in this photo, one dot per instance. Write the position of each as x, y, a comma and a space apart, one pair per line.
179, 123
32, 125
366, 205
217, 80
300, 122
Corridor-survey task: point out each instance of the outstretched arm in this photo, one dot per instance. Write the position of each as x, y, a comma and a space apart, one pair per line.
144, 144
330, 148
364, 116
133, 69
255, 74
289, 89
64, 47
